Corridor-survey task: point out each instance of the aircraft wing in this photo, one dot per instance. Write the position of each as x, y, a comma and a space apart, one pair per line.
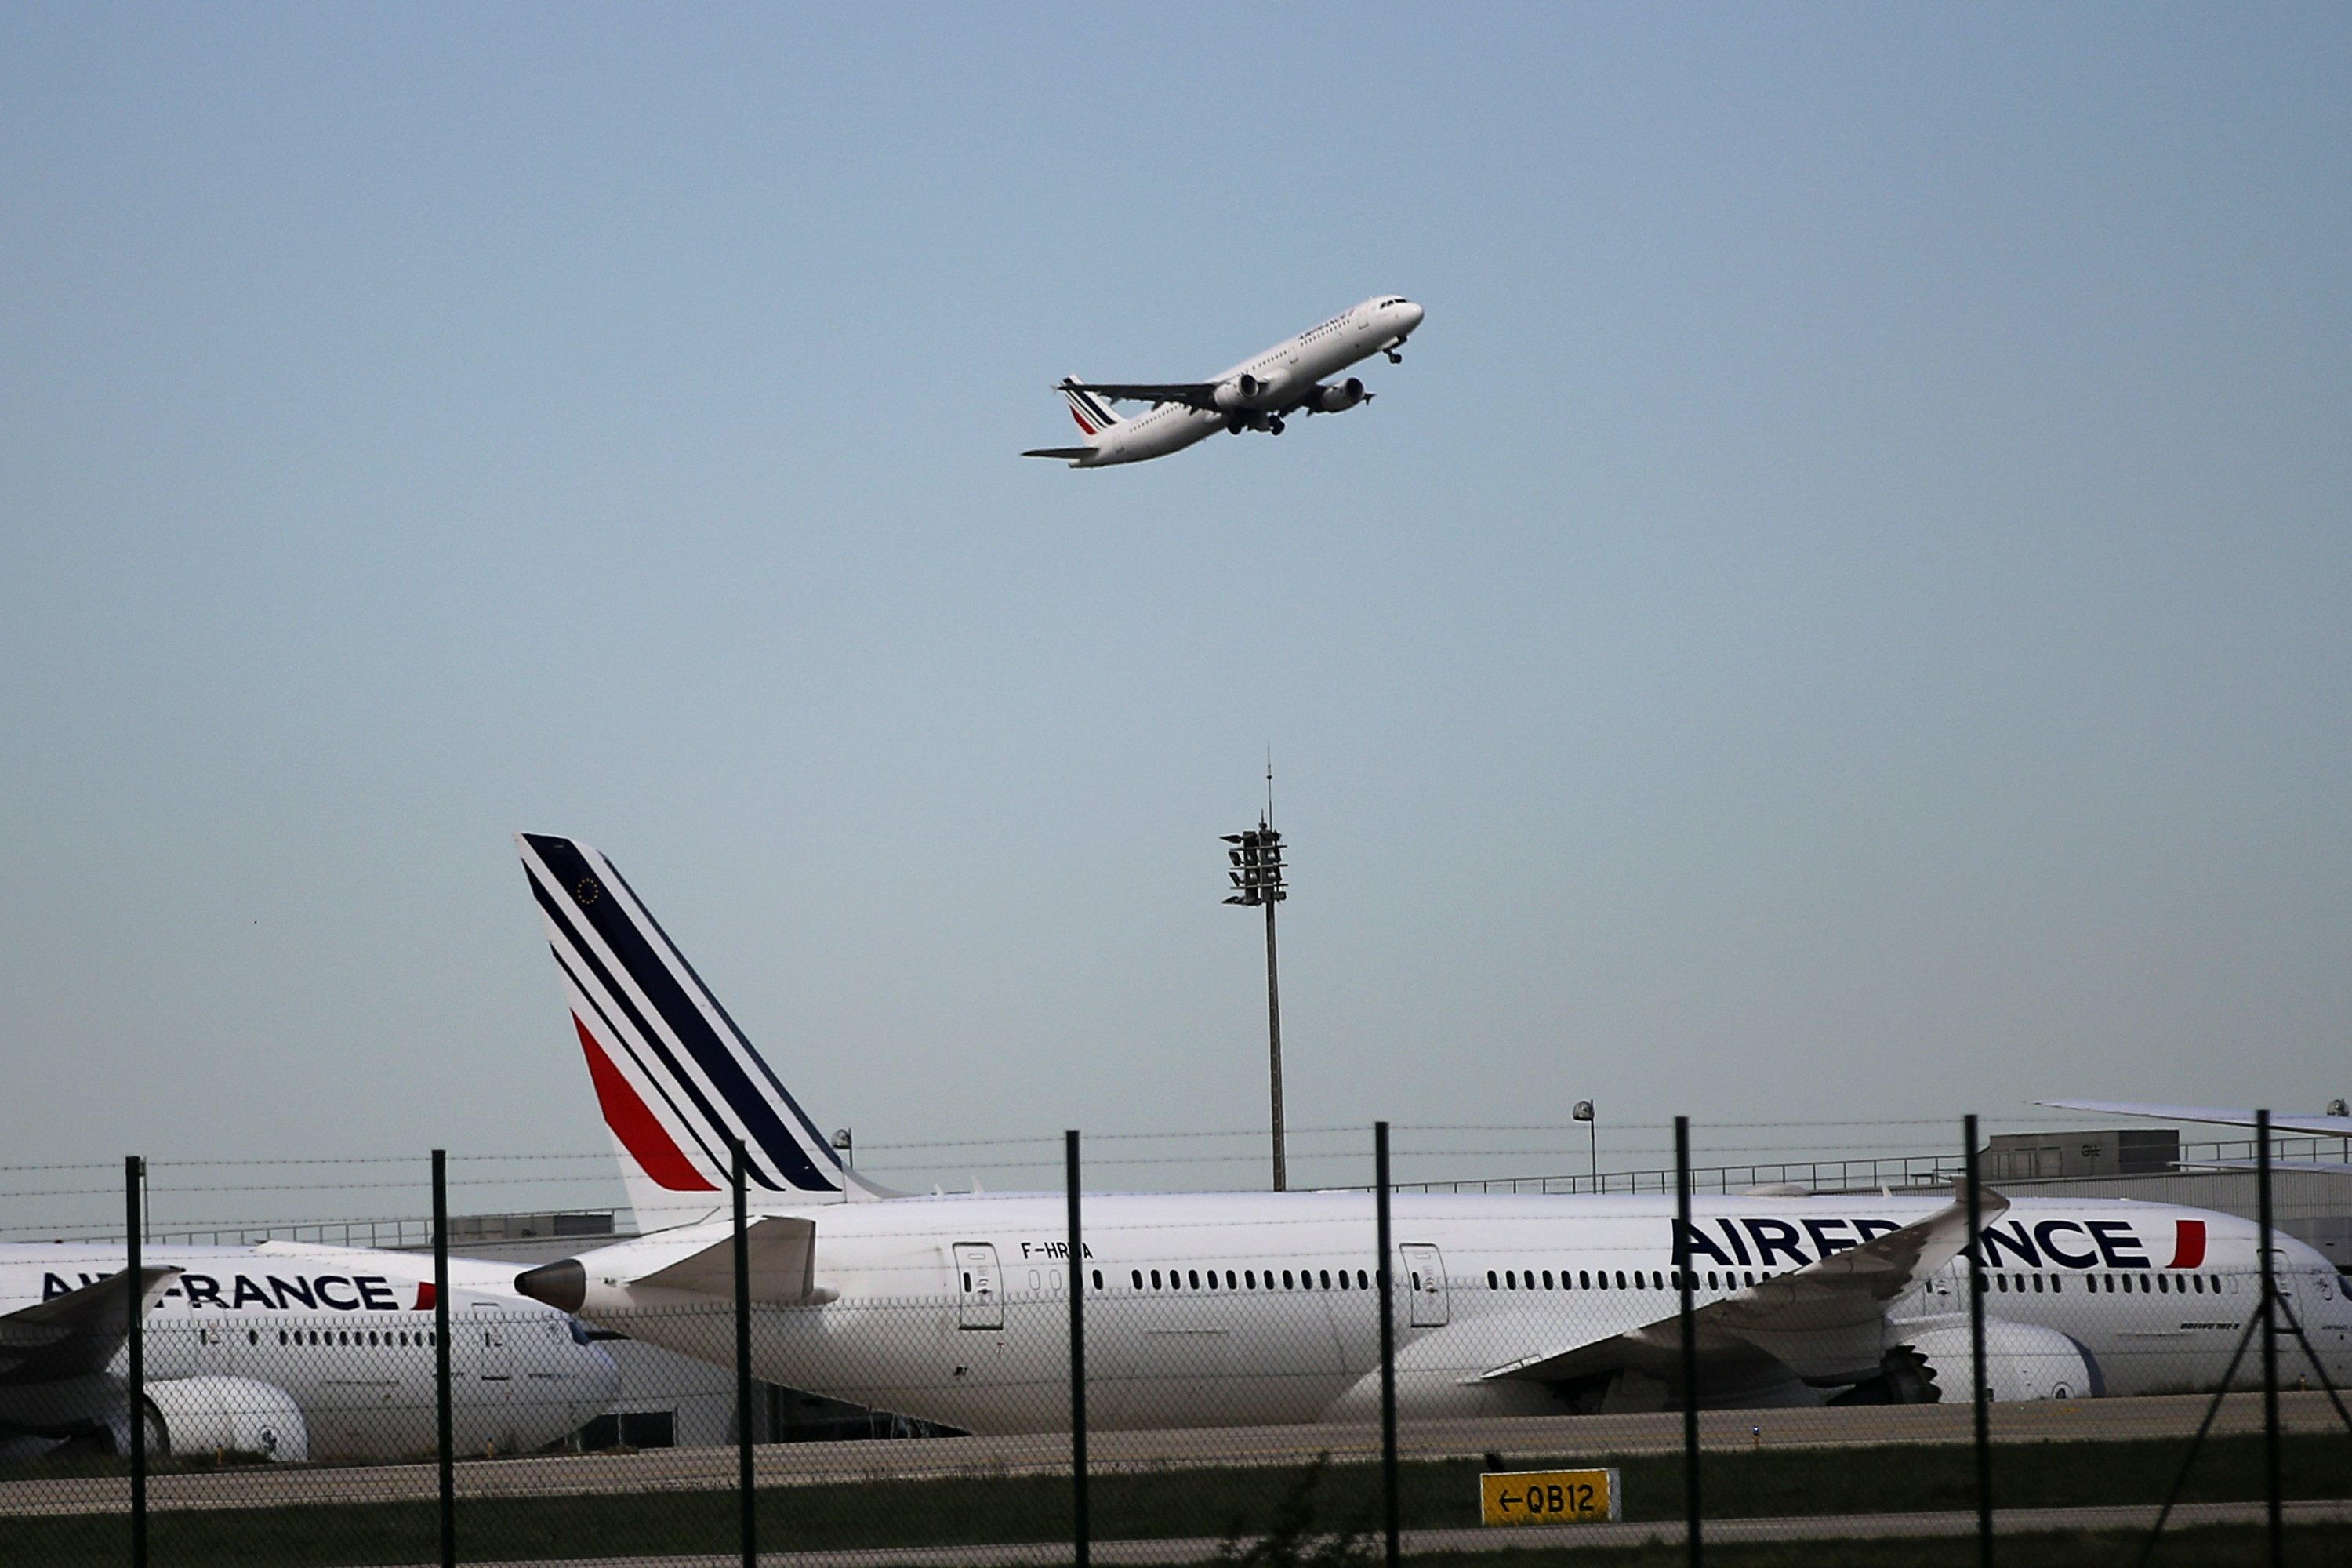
71, 1335
1823, 1322
2320, 1126
1192, 393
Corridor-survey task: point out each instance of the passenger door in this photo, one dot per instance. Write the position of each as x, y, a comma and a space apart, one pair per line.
1425, 1277
979, 1287
491, 1332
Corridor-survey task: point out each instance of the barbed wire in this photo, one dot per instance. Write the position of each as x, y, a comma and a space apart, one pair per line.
1053, 1141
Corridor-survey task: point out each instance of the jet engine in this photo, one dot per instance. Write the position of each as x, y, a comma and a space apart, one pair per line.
1241, 393
1329, 399
238, 1414
2022, 1362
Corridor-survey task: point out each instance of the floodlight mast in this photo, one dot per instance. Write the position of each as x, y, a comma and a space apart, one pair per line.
1255, 872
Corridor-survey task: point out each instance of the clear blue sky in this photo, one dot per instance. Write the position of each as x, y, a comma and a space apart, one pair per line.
1845, 609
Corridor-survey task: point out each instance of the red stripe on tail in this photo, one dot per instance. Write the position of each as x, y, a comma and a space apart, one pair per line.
656, 1152
2188, 1244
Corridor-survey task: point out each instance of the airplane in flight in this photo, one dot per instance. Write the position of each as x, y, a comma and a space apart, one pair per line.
1259, 394
289, 1350
1262, 1307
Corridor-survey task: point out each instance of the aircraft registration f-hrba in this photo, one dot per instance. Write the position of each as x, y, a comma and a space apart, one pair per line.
1259, 1307
1258, 393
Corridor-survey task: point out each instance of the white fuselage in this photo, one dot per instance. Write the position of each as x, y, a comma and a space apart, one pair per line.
347, 1335
1281, 373
1250, 1309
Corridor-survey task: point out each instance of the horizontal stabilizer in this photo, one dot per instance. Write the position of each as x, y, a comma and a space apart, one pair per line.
1071, 453
782, 1257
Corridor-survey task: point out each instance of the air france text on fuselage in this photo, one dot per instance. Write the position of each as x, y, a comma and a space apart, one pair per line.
273, 1292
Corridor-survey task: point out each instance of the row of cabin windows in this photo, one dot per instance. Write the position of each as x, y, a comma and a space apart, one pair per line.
1598, 1279
2104, 1284
339, 1336
1248, 1280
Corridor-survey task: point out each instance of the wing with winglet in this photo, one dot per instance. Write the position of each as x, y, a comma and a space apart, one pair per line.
1824, 1322
1192, 393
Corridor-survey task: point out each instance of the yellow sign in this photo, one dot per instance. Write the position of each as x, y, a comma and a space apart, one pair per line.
1547, 1497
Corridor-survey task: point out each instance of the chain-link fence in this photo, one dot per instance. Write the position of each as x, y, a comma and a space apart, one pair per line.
1269, 1378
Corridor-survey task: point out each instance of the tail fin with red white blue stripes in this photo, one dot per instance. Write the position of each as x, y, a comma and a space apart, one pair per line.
677, 1082
1093, 414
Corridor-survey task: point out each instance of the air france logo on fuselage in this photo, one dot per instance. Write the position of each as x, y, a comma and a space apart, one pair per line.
1775, 1243
272, 1293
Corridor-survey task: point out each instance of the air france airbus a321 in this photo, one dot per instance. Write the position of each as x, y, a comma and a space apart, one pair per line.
1255, 1308
1255, 395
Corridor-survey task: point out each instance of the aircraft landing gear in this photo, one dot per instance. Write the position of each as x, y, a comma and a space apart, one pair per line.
1235, 424
1274, 426
1394, 357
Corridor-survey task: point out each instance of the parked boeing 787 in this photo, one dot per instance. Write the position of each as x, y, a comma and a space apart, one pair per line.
1257, 395
1207, 1309
289, 1350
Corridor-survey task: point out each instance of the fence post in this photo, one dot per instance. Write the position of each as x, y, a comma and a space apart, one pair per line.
445, 1424
2269, 1341
1974, 1253
135, 1342
1690, 1340
750, 1523
1383, 1276
1081, 1526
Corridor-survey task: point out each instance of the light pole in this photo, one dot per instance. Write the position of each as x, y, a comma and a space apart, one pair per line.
1256, 874
1584, 1112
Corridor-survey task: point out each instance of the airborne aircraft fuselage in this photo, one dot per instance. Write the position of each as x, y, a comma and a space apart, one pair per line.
1259, 394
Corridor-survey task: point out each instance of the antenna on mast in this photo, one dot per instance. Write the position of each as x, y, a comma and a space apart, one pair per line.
1256, 871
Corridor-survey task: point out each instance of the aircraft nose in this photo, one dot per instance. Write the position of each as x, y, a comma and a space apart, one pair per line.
1411, 313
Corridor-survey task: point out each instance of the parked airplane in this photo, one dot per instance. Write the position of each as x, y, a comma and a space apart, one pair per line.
292, 1351
1249, 1308
1257, 395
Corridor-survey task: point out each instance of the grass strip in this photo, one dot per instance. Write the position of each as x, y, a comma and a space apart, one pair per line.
1166, 1503
2209, 1546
